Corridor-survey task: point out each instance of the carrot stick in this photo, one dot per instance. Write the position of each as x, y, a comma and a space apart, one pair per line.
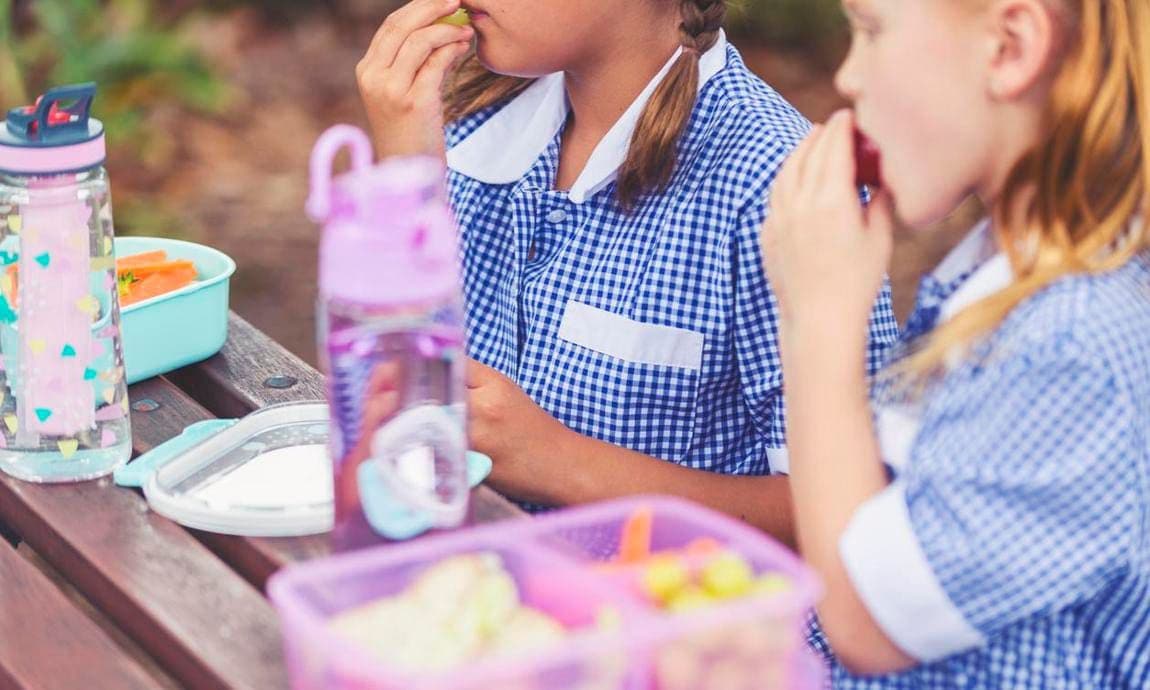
153, 257
14, 274
140, 271
151, 275
635, 543
158, 284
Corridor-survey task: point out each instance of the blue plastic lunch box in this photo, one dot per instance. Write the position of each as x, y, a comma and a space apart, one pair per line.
163, 333
179, 328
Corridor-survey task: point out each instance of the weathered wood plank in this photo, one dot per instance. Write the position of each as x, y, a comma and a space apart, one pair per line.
189, 610
258, 558
249, 374
48, 643
171, 411
7, 535
185, 606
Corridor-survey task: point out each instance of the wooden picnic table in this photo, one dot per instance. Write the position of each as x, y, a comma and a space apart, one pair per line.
191, 601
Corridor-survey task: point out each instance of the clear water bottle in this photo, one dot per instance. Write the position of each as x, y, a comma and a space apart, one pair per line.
391, 336
63, 397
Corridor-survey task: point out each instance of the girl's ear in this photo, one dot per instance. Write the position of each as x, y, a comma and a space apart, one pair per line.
1023, 40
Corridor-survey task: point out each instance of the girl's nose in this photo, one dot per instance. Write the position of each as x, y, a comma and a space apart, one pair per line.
846, 79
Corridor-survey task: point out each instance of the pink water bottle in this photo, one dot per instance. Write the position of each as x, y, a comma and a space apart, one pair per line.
63, 398
391, 335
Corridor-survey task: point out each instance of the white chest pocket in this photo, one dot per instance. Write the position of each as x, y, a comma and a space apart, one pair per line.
626, 382
629, 340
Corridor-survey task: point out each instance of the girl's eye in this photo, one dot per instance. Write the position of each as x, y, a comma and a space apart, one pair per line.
865, 31
865, 27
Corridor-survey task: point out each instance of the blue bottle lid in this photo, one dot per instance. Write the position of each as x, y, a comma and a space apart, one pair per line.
55, 135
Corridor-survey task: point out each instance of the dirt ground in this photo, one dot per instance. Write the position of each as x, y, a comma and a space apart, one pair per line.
241, 180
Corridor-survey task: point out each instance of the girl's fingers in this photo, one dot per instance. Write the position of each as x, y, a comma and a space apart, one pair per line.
790, 179
840, 161
379, 408
477, 374
821, 171
384, 377
879, 216
428, 83
400, 24
421, 45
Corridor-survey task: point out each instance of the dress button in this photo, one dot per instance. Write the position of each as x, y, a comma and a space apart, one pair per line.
557, 216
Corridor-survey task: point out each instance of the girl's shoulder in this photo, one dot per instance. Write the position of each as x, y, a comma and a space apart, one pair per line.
1092, 306
739, 103
741, 131
1101, 318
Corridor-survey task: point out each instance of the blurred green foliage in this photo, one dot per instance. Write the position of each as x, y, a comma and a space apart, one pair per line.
11, 82
815, 26
141, 55
134, 48
142, 63
137, 59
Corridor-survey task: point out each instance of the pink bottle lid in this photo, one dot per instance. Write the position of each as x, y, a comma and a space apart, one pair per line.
389, 238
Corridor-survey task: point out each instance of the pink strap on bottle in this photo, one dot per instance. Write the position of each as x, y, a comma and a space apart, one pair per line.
323, 159
56, 341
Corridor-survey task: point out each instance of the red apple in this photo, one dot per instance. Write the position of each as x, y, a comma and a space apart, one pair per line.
868, 162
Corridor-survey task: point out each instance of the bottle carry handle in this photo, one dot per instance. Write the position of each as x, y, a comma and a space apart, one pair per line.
23, 122
323, 156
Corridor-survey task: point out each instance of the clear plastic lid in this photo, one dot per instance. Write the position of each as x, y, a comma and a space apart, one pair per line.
269, 475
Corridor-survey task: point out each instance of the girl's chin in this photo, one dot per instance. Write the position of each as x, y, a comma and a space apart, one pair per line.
924, 215
499, 64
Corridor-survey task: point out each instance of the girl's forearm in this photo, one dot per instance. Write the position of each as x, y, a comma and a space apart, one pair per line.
835, 467
596, 470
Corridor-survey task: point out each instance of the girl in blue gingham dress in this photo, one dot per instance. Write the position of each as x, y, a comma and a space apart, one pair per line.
623, 331
983, 520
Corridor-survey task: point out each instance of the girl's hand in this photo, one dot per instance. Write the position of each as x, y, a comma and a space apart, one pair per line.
507, 425
401, 76
826, 255
381, 402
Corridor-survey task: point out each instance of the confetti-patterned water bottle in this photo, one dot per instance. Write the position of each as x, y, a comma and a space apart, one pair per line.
63, 397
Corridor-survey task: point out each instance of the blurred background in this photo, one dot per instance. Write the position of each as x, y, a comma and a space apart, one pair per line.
212, 107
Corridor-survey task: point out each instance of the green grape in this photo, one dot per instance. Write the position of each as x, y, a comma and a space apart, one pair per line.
458, 18
771, 584
690, 598
665, 577
728, 576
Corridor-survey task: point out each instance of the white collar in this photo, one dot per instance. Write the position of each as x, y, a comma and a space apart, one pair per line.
992, 271
504, 148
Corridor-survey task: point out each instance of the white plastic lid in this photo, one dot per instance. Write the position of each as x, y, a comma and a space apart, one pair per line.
269, 475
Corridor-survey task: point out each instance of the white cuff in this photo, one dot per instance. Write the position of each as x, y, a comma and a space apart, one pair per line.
891, 573
778, 461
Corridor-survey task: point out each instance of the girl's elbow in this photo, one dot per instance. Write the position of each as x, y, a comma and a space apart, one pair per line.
862, 663
866, 651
